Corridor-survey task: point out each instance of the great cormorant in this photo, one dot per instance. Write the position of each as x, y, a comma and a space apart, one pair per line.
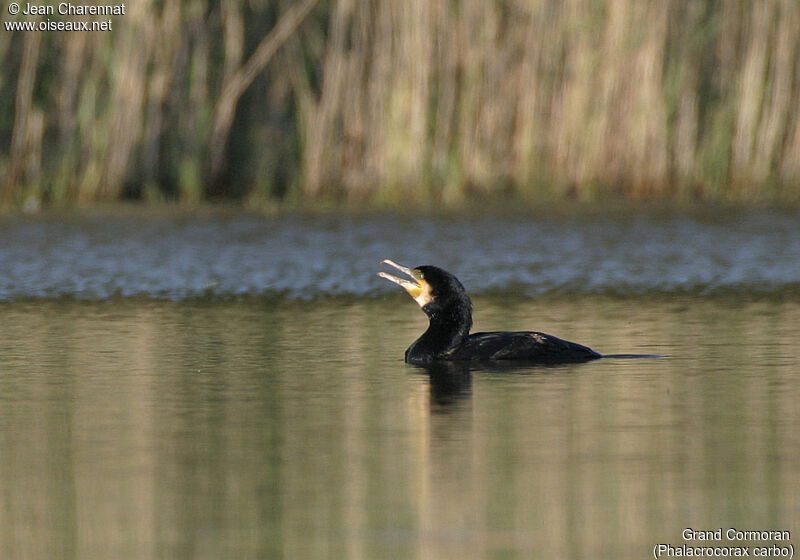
449, 309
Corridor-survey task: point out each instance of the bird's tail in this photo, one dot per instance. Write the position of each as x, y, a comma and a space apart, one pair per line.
631, 356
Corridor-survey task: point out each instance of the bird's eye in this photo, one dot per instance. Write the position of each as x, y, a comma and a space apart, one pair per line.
421, 276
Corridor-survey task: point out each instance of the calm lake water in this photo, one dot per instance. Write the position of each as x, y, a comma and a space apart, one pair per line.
218, 385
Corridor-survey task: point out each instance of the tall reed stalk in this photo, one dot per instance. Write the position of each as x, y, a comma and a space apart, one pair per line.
418, 101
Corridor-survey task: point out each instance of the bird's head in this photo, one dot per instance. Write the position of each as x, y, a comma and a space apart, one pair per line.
435, 290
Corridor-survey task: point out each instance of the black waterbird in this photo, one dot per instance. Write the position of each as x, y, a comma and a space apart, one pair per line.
449, 309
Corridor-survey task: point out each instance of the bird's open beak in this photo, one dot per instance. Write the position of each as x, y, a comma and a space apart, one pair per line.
414, 288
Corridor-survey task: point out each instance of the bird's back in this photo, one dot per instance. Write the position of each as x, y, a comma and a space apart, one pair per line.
524, 346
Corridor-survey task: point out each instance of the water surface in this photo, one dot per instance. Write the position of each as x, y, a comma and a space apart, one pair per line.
156, 404
179, 254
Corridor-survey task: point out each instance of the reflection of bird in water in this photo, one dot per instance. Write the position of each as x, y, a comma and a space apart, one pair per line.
449, 309
450, 382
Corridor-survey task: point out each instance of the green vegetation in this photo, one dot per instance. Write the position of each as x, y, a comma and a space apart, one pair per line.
306, 102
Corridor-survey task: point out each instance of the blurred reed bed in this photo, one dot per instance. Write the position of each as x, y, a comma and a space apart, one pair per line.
413, 102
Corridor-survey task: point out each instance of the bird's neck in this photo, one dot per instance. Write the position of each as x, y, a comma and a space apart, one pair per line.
447, 330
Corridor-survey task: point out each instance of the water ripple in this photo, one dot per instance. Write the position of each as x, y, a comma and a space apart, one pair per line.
233, 255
